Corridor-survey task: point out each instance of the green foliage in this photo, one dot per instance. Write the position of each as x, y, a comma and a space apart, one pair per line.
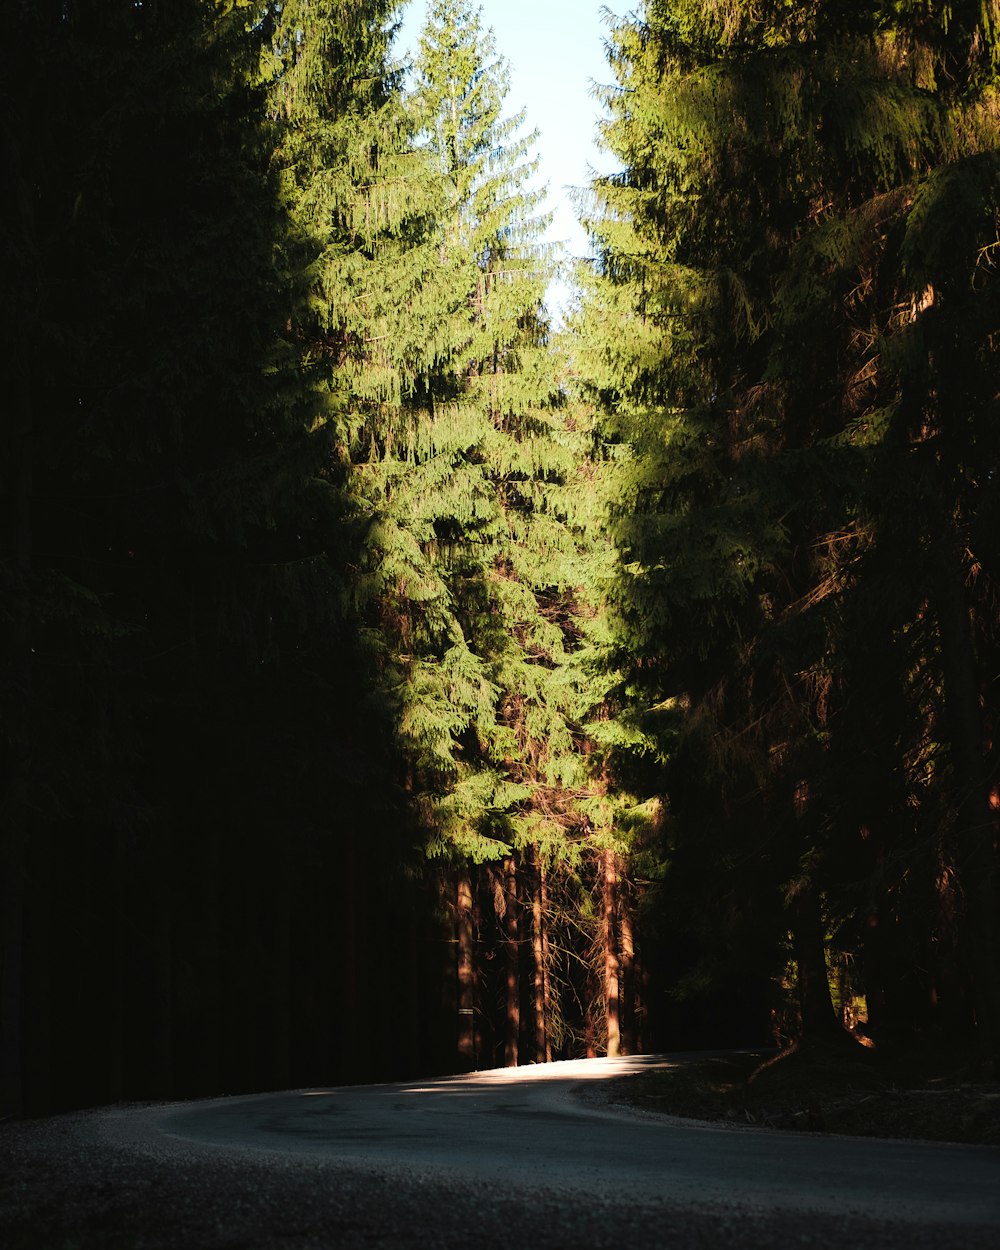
464, 467
195, 245
787, 330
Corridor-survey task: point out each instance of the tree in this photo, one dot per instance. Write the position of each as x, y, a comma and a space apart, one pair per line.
191, 731
757, 302
472, 477
121, 233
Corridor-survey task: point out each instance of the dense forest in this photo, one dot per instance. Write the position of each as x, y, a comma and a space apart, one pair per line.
395, 681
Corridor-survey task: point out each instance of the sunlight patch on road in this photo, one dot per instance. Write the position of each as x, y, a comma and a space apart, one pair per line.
602, 1069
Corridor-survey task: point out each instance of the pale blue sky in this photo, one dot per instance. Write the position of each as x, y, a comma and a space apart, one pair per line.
556, 50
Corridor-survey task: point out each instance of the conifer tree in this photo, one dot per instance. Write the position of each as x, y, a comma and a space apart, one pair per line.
470, 475
759, 334
192, 231
139, 227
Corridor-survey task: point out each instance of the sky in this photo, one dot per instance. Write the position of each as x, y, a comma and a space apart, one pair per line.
555, 49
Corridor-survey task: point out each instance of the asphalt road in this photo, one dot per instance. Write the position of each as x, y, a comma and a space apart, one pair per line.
530, 1125
533, 1156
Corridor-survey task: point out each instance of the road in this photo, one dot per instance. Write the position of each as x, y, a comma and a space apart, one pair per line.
532, 1156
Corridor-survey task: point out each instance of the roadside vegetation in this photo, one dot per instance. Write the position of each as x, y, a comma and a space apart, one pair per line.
825, 1089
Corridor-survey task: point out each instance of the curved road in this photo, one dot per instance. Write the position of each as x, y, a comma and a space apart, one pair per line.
524, 1157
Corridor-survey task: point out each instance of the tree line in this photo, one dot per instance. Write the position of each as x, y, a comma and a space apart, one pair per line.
395, 682
791, 330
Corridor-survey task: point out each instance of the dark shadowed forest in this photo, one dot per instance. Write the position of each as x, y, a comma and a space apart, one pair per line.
394, 681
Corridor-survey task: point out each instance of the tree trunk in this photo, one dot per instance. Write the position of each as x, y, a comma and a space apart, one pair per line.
543, 890
12, 869
539, 955
281, 1006
977, 859
873, 976
590, 1030
612, 1005
411, 1038
466, 973
819, 1020
12, 874
119, 1014
512, 1019
630, 1003
162, 1053
974, 815
15, 802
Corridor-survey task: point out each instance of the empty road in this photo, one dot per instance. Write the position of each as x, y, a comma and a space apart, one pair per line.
527, 1157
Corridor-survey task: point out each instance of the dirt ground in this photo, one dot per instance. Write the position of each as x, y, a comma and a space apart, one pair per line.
831, 1090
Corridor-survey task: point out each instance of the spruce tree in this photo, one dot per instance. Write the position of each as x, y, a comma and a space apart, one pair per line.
139, 227
469, 473
193, 738
759, 334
